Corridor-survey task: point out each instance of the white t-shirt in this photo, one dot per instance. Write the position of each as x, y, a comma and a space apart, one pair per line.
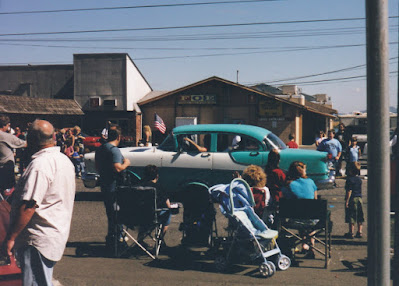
49, 180
236, 140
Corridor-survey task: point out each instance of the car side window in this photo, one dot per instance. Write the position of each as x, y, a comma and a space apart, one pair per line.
194, 142
247, 144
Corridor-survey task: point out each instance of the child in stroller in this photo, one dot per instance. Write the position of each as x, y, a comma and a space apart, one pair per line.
250, 239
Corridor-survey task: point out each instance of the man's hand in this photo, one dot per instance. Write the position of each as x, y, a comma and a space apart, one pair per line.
126, 161
10, 246
337, 158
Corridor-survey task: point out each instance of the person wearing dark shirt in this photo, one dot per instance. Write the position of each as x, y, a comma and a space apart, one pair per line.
353, 201
109, 163
150, 179
345, 139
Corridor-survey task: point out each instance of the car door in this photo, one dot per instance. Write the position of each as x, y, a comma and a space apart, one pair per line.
185, 164
249, 151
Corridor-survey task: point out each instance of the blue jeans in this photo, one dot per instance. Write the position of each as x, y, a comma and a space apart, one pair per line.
36, 269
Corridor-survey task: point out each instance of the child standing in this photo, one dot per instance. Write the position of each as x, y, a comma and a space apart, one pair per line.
292, 144
77, 161
353, 201
354, 151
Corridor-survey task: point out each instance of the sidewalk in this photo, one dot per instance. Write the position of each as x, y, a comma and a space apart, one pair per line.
179, 266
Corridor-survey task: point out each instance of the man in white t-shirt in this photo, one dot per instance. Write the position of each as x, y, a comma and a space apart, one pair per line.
42, 207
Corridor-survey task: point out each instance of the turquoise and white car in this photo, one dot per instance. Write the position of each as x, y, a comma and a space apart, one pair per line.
229, 148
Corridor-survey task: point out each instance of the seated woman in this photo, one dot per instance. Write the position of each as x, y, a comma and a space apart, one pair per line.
256, 179
150, 179
299, 186
275, 176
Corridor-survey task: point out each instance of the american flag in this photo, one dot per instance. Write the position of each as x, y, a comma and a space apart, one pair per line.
159, 124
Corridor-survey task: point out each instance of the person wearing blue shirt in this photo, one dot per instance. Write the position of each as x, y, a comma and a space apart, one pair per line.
299, 186
110, 162
334, 150
331, 146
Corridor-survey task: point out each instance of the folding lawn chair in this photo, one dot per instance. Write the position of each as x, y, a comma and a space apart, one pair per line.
295, 215
137, 207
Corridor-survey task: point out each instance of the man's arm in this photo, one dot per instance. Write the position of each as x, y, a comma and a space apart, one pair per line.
23, 217
120, 167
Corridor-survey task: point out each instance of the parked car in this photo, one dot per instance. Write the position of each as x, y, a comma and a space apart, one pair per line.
181, 163
92, 142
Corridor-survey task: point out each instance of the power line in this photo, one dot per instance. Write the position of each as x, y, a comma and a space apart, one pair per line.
135, 7
206, 36
187, 27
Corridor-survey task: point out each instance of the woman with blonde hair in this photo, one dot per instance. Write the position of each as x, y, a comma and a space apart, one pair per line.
147, 138
256, 179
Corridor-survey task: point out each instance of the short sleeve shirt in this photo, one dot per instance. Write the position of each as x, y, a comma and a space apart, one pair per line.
106, 156
7, 143
49, 180
302, 189
354, 184
332, 146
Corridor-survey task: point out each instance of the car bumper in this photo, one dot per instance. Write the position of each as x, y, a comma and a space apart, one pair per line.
326, 184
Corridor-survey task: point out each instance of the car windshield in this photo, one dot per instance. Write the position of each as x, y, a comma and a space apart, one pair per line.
168, 144
275, 140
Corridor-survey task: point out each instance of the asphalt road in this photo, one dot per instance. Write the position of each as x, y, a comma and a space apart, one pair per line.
181, 266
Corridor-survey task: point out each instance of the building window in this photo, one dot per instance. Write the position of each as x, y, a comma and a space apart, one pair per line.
110, 102
94, 102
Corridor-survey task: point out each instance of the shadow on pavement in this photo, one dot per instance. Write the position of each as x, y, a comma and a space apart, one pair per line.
88, 249
89, 196
341, 240
358, 266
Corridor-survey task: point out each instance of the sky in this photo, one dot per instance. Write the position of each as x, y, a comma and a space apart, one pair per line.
317, 45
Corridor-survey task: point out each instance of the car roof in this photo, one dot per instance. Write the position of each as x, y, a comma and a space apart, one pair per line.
250, 130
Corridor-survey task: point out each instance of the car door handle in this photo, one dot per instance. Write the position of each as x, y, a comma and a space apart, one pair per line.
205, 155
254, 154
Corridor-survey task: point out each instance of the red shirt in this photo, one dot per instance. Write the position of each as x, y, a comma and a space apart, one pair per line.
292, 145
275, 181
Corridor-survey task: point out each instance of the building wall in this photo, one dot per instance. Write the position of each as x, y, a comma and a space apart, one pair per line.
136, 85
45, 81
103, 76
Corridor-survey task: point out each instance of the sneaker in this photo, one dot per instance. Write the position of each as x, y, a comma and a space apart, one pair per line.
359, 235
349, 235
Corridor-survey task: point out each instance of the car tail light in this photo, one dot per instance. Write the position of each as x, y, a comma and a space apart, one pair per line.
329, 156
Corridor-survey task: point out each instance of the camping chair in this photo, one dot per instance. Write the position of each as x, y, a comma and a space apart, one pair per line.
137, 207
295, 213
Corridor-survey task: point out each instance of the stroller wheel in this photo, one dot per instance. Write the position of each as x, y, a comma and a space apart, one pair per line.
265, 270
221, 264
283, 262
272, 266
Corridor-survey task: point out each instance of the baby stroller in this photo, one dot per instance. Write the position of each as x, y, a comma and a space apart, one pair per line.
199, 224
249, 239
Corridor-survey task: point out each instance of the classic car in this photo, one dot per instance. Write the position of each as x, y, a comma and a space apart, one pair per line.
180, 162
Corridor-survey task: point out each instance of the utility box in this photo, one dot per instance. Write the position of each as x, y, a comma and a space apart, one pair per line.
186, 121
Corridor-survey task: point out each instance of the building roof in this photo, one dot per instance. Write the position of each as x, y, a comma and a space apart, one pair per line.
154, 97
151, 95
29, 105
